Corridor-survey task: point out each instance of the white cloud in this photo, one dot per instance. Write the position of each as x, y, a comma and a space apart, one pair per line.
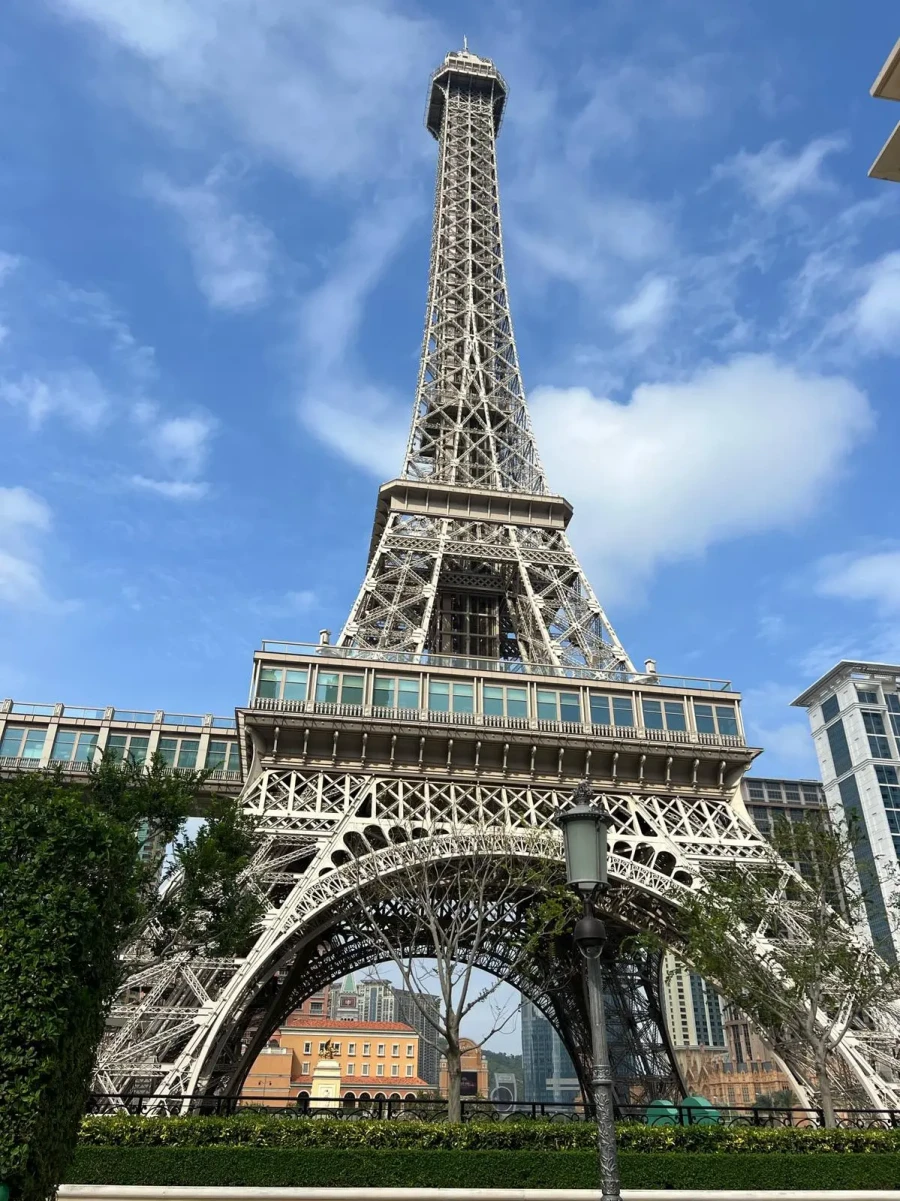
321, 88
182, 443
75, 395
647, 310
24, 519
740, 448
872, 578
171, 489
875, 318
233, 254
773, 175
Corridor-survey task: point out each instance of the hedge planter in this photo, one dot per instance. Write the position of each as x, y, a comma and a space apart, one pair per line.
334, 1167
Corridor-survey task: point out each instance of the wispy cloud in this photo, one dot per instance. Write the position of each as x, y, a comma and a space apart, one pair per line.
171, 489
76, 396
868, 577
180, 446
233, 253
646, 312
772, 176
24, 520
875, 316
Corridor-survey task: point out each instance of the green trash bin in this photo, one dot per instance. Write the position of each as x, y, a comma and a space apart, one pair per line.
700, 1112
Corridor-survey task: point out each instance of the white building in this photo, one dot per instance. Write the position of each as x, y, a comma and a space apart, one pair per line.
854, 712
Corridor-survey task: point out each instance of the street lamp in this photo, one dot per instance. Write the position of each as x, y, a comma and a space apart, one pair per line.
585, 828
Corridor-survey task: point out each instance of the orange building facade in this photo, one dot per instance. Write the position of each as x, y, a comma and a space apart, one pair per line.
474, 1070
378, 1061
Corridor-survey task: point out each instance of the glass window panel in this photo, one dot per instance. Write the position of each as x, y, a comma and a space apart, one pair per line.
407, 693
873, 722
295, 685
893, 818
493, 701
34, 744
892, 700
570, 706
187, 752
879, 747
600, 710
653, 718
352, 689
137, 749
623, 713
840, 750
704, 717
12, 741
327, 686
547, 705
269, 684
383, 691
895, 723
830, 708
675, 716
84, 752
116, 746
463, 698
216, 756
867, 698
64, 745
439, 696
234, 757
168, 748
885, 775
727, 719
516, 702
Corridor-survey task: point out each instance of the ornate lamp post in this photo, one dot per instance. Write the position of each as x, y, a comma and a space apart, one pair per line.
585, 828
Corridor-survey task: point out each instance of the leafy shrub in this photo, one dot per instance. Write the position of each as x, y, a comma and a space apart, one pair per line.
262, 1130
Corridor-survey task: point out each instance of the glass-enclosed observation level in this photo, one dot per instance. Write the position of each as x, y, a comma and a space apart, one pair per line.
314, 678
73, 737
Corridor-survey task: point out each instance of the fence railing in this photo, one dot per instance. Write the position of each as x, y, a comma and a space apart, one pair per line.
386, 1108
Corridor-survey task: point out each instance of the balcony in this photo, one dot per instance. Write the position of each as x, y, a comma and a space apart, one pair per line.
515, 667
488, 721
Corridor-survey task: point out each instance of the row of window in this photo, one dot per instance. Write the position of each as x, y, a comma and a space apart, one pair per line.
866, 696
78, 746
498, 700
366, 1048
365, 1069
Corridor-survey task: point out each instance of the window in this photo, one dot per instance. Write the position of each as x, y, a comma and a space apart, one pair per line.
840, 751
409, 1069
278, 683
316, 1007
337, 1047
128, 746
873, 721
558, 706
879, 745
366, 1048
321, 1048
365, 1069
179, 752
395, 1049
410, 1049
879, 748
885, 775
756, 790
333, 686
830, 708
351, 1069
663, 715
505, 702
307, 1048
381, 1049
395, 1069
611, 710
223, 756
70, 746
447, 697
22, 742
892, 700
716, 719
351, 1048
396, 692
304, 1068
379, 1069
867, 698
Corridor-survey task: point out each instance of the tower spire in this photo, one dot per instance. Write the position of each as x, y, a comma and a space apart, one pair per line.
469, 554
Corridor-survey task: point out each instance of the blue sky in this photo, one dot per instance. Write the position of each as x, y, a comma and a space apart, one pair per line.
214, 223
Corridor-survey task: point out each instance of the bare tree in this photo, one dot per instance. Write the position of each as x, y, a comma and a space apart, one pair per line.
445, 905
774, 942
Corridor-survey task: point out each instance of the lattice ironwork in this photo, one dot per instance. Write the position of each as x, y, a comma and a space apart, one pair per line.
470, 553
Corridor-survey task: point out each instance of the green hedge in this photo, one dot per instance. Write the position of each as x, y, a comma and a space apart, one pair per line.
259, 1130
334, 1167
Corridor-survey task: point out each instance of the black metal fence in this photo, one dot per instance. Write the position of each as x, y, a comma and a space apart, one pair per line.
659, 1113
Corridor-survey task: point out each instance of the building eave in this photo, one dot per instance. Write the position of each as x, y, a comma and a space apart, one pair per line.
839, 671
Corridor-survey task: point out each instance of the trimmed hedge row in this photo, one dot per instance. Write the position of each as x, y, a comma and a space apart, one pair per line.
259, 1130
334, 1167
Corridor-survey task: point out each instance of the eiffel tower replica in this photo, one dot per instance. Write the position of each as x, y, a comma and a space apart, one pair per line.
476, 682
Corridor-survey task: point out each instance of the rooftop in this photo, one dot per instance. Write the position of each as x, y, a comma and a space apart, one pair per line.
340, 1024
846, 668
